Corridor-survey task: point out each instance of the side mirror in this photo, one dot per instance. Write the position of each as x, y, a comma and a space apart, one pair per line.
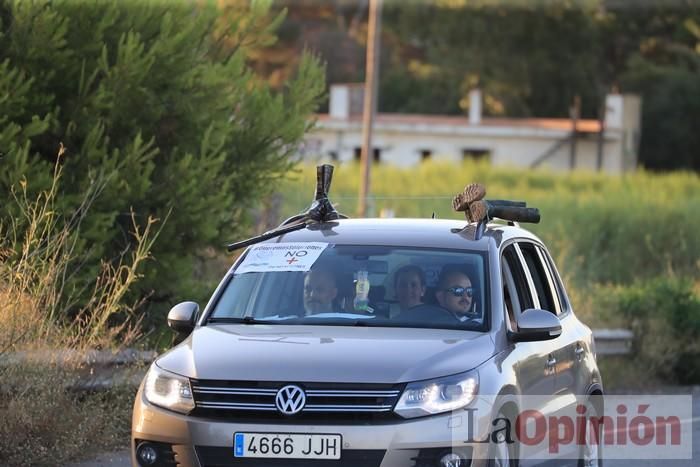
181, 317
536, 325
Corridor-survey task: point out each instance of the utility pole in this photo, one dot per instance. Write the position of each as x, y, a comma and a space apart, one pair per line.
601, 137
575, 112
370, 100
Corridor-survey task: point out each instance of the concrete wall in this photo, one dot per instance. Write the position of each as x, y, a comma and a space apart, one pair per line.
403, 148
402, 141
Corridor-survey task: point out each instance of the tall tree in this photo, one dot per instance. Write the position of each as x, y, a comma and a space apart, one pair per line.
155, 100
655, 52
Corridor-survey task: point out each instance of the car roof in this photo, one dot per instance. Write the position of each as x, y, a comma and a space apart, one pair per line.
426, 233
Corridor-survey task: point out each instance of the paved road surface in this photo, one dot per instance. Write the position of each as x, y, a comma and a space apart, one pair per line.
112, 459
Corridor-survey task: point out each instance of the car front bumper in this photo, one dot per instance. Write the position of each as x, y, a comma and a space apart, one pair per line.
197, 442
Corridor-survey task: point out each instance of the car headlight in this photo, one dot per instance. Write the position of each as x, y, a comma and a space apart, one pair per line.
438, 395
168, 390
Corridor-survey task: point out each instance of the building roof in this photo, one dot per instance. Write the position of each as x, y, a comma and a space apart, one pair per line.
555, 124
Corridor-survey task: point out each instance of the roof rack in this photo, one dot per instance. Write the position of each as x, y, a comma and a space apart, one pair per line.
321, 210
481, 211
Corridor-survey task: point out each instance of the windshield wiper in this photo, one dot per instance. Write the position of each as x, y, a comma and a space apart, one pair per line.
244, 320
339, 322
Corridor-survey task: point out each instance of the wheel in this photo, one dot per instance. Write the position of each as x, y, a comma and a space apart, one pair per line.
591, 452
502, 454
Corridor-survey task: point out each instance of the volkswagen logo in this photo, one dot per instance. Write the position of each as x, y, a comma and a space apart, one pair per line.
290, 400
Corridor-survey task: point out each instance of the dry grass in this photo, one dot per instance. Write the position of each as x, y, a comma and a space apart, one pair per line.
44, 422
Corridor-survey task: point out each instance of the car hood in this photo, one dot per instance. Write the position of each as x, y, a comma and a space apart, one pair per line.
326, 353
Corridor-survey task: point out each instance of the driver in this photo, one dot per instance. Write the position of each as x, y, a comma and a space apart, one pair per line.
320, 289
456, 294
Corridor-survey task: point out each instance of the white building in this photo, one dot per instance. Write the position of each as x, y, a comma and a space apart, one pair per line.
408, 139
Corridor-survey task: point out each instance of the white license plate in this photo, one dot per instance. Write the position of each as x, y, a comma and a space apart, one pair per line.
287, 445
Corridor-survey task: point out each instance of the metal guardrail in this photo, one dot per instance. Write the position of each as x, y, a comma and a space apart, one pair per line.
82, 358
93, 370
613, 341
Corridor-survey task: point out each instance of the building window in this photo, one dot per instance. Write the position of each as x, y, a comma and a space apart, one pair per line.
376, 154
476, 154
425, 154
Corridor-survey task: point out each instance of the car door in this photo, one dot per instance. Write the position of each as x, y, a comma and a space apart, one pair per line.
576, 377
564, 351
532, 361
546, 299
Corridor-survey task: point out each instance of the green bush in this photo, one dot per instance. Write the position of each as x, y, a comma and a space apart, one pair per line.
664, 314
154, 102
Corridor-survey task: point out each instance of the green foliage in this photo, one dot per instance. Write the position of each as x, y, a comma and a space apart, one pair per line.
664, 314
154, 102
671, 100
671, 298
516, 52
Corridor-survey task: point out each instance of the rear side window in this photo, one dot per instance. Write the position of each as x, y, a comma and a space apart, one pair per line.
540, 277
557, 286
519, 277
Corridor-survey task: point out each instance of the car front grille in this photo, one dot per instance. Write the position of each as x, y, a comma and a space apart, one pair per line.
244, 401
223, 457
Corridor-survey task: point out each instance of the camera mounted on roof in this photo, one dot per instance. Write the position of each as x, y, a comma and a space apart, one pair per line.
480, 211
321, 210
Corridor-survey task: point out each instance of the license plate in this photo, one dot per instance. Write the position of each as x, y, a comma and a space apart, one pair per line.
287, 445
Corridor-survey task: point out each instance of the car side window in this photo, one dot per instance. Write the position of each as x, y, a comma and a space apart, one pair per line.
540, 277
557, 286
522, 289
510, 296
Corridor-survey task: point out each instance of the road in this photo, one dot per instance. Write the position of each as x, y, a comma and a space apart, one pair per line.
122, 458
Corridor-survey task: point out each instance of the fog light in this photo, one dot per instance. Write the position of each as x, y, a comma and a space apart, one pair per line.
146, 454
451, 460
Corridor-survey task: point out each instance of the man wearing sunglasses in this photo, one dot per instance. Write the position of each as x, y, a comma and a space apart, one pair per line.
455, 293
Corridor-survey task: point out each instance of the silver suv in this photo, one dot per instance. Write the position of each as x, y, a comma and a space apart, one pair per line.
371, 343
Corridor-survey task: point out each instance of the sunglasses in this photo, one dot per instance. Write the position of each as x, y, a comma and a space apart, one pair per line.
461, 291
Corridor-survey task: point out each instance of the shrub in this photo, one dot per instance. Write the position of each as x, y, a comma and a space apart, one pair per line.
664, 314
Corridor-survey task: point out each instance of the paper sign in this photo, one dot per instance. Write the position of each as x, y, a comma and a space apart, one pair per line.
273, 257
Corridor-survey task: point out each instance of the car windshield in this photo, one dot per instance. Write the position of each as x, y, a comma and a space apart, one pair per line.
352, 285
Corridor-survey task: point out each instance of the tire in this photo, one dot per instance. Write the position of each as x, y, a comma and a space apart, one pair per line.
591, 454
503, 454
